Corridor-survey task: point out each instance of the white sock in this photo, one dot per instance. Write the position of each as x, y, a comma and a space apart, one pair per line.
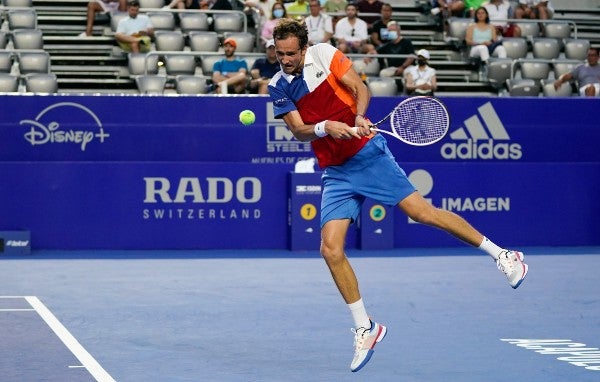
492, 249
359, 314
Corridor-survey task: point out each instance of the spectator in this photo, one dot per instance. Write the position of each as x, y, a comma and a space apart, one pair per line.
230, 74
318, 24
534, 9
379, 29
335, 6
499, 11
101, 6
182, 4
351, 33
482, 37
398, 45
264, 69
297, 9
278, 12
448, 8
369, 6
420, 78
587, 76
471, 6
261, 11
135, 31
218, 5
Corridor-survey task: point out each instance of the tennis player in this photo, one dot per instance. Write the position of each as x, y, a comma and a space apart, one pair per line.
320, 97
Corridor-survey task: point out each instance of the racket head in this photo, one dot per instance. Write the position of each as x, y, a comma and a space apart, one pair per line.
420, 121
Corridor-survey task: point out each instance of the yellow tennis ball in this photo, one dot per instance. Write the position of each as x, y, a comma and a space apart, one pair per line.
247, 117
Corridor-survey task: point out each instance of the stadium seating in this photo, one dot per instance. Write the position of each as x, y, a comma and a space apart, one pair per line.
576, 49
162, 20
136, 63
498, 71
34, 62
28, 39
6, 61
180, 64
193, 21
186, 84
202, 41
3, 39
523, 87
516, 47
22, 19
98, 64
151, 84
544, 47
548, 90
41, 83
382, 86
169, 40
8, 83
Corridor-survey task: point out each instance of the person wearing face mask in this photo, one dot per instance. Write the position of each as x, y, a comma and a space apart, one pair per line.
278, 12
398, 45
420, 78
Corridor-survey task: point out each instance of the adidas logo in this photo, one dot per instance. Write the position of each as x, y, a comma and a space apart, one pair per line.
493, 143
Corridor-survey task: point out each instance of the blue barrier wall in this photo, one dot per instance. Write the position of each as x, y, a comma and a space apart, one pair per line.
153, 172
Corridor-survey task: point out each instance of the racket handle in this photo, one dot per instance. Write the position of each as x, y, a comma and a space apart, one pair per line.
355, 128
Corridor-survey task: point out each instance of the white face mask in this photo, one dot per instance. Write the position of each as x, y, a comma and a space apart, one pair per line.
392, 35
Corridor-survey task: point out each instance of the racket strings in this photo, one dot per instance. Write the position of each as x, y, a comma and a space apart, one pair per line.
420, 122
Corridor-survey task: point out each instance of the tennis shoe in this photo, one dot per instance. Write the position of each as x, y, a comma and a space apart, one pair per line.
364, 342
511, 264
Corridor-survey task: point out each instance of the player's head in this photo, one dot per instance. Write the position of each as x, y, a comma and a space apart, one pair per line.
291, 41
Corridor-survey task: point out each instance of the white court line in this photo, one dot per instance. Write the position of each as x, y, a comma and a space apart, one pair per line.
71, 342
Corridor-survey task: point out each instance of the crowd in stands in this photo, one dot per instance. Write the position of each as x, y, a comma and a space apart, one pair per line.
364, 27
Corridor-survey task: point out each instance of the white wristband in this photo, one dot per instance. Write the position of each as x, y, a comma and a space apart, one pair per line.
320, 129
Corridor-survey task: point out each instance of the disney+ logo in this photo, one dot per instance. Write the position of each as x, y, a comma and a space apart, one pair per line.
45, 128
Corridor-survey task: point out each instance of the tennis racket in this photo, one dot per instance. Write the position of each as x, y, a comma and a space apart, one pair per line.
418, 121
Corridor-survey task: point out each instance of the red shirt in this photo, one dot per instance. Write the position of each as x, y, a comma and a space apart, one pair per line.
319, 95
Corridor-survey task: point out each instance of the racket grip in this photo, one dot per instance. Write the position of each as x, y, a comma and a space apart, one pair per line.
354, 129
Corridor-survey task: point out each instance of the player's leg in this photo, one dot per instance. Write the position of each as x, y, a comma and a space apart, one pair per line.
333, 236
366, 333
509, 262
419, 210
339, 207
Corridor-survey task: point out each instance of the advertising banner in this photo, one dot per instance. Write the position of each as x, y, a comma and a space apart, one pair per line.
153, 172
519, 204
135, 205
108, 128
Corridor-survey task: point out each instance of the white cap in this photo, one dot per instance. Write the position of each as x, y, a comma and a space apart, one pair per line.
270, 43
423, 53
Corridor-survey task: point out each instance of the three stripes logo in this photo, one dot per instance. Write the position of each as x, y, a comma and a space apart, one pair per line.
483, 137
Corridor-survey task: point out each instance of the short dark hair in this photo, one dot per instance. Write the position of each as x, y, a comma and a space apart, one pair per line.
133, 3
291, 28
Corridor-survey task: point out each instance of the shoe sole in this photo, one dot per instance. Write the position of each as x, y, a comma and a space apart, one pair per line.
523, 277
380, 336
521, 257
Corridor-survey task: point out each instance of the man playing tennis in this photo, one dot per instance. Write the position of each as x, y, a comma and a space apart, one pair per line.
321, 97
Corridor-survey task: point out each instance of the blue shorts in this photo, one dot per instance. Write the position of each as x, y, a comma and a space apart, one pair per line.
372, 172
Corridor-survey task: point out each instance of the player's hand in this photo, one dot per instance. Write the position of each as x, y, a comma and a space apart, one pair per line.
362, 126
340, 130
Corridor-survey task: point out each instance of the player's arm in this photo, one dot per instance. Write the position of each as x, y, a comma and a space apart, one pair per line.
352, 81
306, 133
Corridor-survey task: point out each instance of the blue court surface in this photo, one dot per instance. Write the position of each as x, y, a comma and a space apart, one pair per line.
276, 316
